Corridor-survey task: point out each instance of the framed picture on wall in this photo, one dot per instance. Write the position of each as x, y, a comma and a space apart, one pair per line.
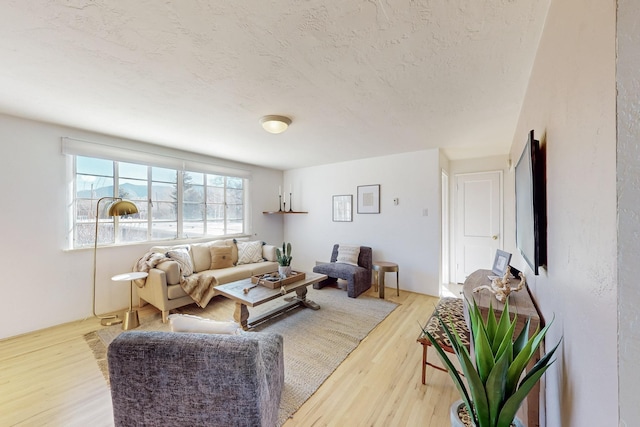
343, 208
369, 199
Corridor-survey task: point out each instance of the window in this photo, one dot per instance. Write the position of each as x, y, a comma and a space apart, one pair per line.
164, 204
171, 203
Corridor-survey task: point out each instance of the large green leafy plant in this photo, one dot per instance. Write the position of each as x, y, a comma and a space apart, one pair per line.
495, 387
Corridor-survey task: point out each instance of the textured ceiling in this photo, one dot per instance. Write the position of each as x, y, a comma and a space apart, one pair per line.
358, 78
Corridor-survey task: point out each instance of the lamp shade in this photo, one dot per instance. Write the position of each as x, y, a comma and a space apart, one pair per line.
122, 207
275, 124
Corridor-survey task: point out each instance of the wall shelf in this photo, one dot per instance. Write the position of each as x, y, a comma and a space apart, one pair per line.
283, 212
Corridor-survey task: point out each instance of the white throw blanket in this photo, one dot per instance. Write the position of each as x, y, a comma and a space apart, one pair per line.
200, 288
147, 262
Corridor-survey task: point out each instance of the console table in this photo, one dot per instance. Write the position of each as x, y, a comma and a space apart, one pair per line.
520, 303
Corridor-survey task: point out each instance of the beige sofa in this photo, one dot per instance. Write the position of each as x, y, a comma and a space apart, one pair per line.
162, 287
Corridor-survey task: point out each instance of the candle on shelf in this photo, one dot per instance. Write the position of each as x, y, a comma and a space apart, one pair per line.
279, 190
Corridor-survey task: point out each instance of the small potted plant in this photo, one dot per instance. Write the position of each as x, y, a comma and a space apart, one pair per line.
284, 260
494, 389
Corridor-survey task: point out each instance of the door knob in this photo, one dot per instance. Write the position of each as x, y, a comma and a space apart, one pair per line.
494, 237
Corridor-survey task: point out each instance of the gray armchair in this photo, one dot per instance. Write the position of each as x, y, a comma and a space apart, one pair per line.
184, 379
358, 277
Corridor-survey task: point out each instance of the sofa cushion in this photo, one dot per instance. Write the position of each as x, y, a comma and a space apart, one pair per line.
348, 254
231, 274
195, 324
269, 253
183, 258
234, 249
249, 252
201, 257
171, 271
175, 292
338, 270
242, 271
220, 257
200, 252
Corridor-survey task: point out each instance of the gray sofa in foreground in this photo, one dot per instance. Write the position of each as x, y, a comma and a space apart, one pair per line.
186, 379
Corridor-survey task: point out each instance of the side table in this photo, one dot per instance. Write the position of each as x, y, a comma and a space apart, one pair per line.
382, 267
131, 320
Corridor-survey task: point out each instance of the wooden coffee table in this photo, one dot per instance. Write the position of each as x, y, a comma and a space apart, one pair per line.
259, 294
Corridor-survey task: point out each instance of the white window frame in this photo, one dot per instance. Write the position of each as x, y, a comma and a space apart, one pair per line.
74, 148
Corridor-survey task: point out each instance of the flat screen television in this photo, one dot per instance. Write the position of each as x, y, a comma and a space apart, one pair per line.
531, 205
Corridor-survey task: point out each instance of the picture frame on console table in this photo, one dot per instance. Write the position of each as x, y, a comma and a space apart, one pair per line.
501, 263
369, 199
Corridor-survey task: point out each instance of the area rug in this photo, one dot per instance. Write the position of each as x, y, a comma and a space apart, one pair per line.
315, 341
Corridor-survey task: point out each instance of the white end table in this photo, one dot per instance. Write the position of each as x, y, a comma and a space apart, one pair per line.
131, 320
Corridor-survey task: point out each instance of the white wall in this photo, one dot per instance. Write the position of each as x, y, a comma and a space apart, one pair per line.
570, 104
44, 285
628, 81
399, 233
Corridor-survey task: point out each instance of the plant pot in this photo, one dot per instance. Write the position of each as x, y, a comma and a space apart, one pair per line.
463, 420
457, 420
284, 270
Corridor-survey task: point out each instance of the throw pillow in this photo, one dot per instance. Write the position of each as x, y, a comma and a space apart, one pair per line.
348, 254
249, 252
183, 258
269, 253
200, 325
220, 257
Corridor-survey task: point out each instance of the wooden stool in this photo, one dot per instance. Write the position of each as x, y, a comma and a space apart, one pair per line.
448, 308
381, 267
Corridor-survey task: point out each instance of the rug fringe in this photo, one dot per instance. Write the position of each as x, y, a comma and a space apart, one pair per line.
99, 353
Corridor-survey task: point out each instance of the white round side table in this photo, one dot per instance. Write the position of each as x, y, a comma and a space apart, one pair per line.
131, 320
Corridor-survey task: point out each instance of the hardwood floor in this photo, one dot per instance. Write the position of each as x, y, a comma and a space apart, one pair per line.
50, 377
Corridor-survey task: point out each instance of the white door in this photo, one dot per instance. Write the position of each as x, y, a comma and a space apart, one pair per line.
446, 256
478, 221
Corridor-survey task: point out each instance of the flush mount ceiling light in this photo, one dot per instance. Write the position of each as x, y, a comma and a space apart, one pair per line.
275, 124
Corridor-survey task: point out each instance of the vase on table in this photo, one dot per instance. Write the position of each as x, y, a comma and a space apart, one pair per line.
284, 271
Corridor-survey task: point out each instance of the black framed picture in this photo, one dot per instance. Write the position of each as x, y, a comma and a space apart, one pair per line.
369, 199
501, 263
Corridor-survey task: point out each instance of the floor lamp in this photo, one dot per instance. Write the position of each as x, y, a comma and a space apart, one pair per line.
118, 208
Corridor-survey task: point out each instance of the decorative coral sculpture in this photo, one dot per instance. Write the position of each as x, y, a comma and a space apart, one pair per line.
500, 286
